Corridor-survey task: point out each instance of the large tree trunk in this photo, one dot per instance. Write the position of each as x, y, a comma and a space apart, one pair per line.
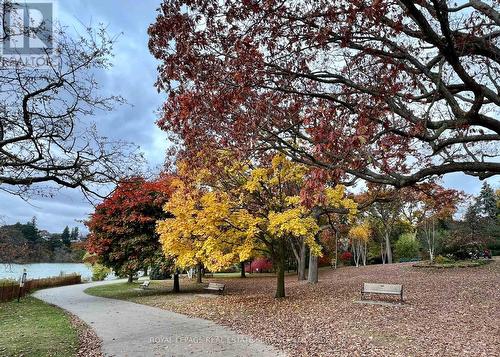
312, 277
280, 270
130, 278
299, 251
145, 271
336, 250
364, 253
198, 273
301, 262
431, 240
388, 249
176, 282
242, 267
355, 254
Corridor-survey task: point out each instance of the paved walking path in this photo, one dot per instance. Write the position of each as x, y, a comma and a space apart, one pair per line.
128, 329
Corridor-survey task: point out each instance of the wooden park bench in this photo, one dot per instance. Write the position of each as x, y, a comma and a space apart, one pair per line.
216, 287
145, 284
386, 289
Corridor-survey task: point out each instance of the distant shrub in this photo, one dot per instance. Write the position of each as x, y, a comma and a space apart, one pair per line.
346, 258
157, 273
325, 261
407, 246
472, 250
442, 260
260, 265
100, 272
406, 260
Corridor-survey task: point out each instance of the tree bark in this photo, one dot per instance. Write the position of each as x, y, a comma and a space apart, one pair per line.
430, 235
388, 249
130, 278
336, 250
280, 270
176, 282
242, 267
312, 277
301, 263
364, 253
198, 273
299, 251
145, 271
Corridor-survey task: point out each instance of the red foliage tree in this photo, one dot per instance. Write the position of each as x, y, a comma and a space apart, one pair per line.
393, 92
122, 228
259, 265
346, 257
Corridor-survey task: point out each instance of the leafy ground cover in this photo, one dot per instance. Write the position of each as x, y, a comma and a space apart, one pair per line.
452, 312
33, 328
454, 264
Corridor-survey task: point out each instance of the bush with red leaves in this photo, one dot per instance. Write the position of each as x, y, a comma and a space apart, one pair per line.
259, 265
346, 257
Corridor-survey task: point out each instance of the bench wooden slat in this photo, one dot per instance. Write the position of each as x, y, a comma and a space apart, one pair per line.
382, 288
216, 287
388, 289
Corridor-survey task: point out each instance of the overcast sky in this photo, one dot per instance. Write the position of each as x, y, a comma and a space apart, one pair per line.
132, 76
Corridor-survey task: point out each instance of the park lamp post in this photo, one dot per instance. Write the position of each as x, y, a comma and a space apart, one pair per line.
22, 281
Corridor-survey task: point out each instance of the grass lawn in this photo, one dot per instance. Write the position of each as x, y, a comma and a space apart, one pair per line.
447, 312
157, 289
163, 288
34, 328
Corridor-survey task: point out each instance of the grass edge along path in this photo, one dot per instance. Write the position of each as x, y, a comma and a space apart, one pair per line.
34, 328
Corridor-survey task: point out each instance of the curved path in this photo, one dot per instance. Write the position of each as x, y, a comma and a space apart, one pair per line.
129, 329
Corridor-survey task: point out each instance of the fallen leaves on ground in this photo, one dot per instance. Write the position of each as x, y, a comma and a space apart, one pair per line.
447, 312
89, 345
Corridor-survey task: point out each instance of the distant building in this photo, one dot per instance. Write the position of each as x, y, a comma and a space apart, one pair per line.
45, 235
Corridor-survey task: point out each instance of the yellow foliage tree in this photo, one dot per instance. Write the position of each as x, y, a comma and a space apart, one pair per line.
333, 207
205, 229
217, 222
360, 235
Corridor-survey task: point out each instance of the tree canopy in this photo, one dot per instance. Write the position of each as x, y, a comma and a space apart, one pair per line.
46, 135
122, 228
342, 86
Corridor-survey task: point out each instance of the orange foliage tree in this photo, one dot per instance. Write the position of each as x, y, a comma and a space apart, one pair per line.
122, 228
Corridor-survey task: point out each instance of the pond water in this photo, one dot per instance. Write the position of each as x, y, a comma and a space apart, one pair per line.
44, 270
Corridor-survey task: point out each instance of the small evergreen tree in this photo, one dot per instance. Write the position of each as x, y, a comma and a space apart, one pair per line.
472, 216
66, 236
74, 233
30, 230
486, 202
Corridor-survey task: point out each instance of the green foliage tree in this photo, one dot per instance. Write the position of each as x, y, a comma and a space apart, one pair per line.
74, 233
407, 246
486, 202
100, 272
30, 230
66, 236
481, 224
